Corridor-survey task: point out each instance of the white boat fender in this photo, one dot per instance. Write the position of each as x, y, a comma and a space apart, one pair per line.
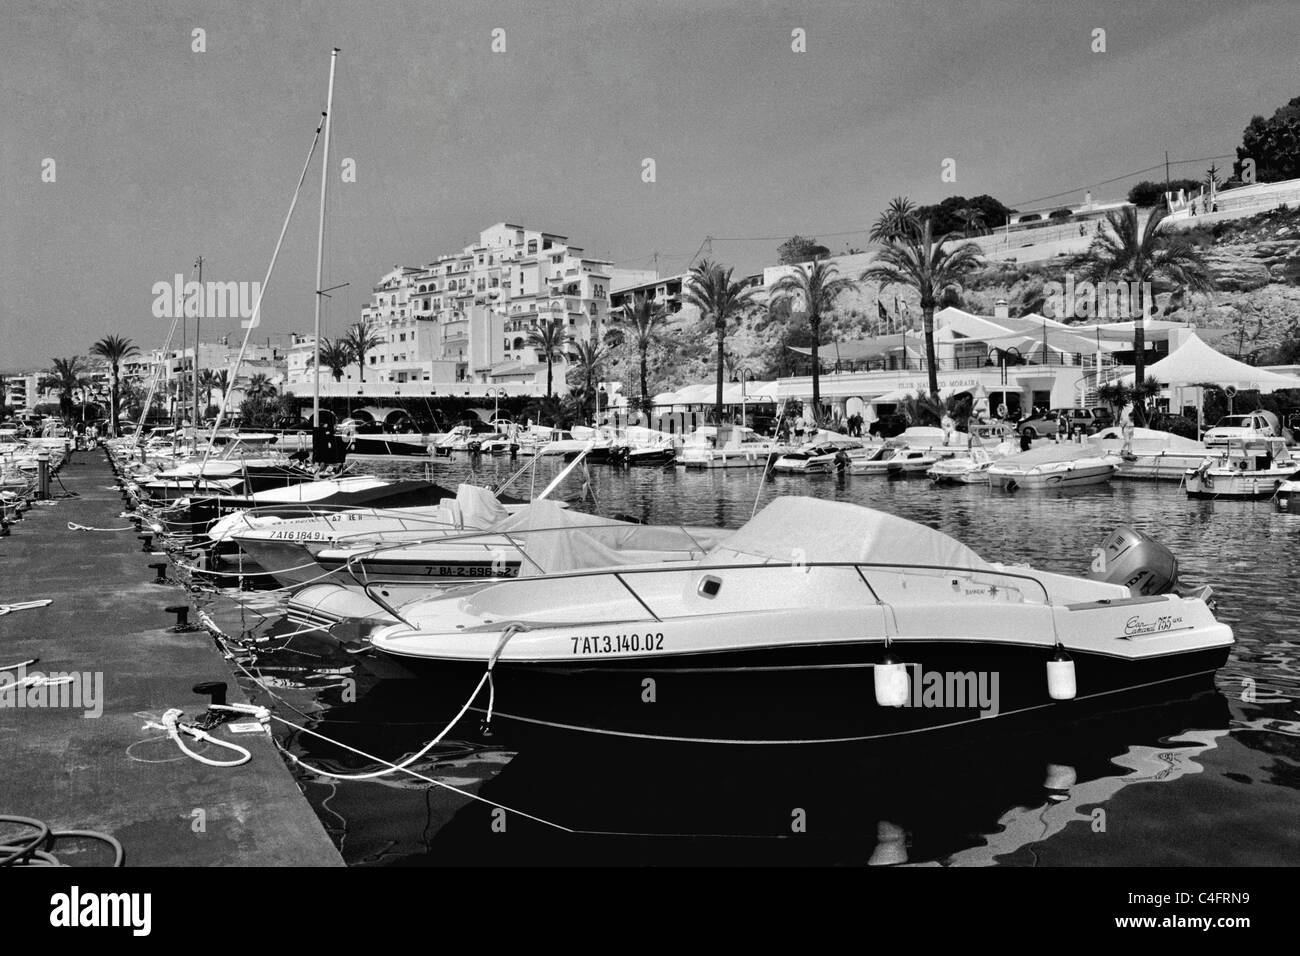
1060, 676
1060, 778
891, 681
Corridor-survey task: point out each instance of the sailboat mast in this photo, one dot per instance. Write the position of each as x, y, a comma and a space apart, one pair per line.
198, 318
320, 243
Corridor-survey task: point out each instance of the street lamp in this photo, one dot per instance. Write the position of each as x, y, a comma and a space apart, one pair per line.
496, 393
744, 374
600, 390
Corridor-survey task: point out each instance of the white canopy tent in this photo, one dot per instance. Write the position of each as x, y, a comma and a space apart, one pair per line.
1195, 363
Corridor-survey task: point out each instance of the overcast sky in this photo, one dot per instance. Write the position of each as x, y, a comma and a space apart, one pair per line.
163, 154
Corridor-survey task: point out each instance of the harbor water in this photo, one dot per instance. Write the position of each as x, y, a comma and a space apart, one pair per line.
1211, 779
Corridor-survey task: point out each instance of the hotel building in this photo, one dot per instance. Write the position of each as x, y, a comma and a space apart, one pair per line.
460, 324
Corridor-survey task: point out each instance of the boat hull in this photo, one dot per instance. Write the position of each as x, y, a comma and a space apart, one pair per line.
825, 693
390, 445
1064, 478
1231, 487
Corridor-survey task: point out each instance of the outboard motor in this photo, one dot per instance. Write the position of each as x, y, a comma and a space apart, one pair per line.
1135, 560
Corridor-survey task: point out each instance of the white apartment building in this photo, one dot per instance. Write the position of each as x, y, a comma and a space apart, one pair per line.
465, 317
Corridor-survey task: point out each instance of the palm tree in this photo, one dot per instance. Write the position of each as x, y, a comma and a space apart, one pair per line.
336, 355
921, 409
897, 222
972, 221
642, 322
721, 301
1114, 395
588, 358
918, 261
360, 340
1131, 253
209, 381
818, 287
259, 387
114, 349
549, 338
67, 378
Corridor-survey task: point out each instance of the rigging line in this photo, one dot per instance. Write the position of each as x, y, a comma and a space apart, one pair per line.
257, 307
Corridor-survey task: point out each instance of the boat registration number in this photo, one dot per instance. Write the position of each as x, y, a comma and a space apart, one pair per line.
617, 643
475, 571
300, 536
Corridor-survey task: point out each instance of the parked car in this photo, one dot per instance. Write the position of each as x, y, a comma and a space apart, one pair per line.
1091, 420
1257, 424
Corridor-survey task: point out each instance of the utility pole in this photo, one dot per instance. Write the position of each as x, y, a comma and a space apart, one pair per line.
1166, 170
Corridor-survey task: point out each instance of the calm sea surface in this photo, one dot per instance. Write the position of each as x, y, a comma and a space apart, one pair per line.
1208, 780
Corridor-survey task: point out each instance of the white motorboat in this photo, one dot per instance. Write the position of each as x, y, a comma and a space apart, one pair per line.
541, 538
1287, 496
286, 547
970, 469
538, 538
559, 441
892, 458
1154, 455
1053, 466
1250, 469
820, 457
769, 638
732, 446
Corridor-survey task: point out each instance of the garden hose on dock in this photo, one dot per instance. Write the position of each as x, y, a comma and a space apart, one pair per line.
38, 850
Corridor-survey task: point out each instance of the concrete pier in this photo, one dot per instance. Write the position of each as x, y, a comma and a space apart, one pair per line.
109, 772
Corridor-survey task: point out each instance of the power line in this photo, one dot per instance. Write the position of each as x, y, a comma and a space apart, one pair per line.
1107, 182
862, 232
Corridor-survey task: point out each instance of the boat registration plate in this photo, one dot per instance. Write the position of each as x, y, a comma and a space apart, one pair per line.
617, 643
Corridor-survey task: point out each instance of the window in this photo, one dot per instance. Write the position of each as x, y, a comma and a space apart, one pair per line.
402, 337
532, 247
372, 360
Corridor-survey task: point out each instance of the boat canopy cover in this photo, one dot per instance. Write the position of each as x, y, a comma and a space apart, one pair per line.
795, 528
1050, 453
1147, 441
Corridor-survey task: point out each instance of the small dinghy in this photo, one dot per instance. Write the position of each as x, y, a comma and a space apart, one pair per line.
1053, 466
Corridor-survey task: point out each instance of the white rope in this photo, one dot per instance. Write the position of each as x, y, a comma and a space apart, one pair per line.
509, 632
171, 723
72, 526
24, 605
